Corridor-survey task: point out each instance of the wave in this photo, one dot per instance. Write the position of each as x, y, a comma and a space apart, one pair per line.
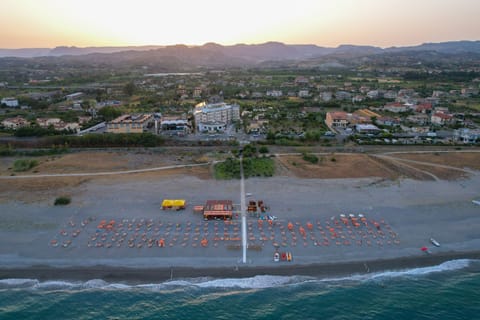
446, 266
256, 282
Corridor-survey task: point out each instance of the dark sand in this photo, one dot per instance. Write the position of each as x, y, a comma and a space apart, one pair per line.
155, 275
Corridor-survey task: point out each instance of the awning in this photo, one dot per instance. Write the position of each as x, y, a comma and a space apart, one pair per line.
169, 203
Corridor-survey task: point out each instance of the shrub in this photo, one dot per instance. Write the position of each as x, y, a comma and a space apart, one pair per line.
263, 149
24, 165
62, 201
310, 158
6, 151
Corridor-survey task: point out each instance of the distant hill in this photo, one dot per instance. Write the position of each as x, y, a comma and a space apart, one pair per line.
254, 52
443, 47
25, 53
61, 51
266, 55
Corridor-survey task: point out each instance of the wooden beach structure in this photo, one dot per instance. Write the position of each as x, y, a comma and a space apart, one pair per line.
218, 210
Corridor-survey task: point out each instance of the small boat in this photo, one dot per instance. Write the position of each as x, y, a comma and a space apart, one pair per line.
434, 242
477, 202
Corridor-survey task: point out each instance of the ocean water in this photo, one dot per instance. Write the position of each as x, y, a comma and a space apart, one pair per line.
450, 290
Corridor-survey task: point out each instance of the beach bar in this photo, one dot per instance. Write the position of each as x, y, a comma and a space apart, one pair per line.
218, 210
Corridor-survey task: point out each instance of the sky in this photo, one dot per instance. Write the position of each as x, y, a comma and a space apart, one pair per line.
384, 23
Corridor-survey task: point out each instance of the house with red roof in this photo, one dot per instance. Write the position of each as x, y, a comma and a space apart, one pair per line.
441, 119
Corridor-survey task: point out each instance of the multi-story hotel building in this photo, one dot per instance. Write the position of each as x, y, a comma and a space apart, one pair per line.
215, 117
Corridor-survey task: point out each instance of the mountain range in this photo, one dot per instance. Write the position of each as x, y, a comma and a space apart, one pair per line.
182, 58
270, 51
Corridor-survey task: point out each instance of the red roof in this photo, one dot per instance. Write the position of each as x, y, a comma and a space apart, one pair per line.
218, 205
395, 104
424, 106
338, 115
443, 116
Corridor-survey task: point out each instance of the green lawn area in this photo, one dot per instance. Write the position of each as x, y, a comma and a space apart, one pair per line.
252, 167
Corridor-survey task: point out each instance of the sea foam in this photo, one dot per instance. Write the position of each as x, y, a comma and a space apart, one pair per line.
451, 265
256, 282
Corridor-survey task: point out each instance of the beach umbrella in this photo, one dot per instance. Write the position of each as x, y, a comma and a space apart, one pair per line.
424, 249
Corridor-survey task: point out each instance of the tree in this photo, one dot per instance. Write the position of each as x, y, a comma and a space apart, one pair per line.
109, 113
130, 88
263, 149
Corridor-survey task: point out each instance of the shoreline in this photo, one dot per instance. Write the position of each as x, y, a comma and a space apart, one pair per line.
161, 274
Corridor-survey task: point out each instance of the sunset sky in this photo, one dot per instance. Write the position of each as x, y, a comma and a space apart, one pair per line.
50, 23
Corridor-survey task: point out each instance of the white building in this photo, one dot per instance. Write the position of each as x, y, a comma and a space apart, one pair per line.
326, 96
74, 96
467, 135
274, 93
14, 123
303, 94
212, 127
396, 107
209, 117
440, 118
10, 102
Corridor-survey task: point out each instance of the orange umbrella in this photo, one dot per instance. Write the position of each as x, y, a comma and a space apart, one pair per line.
161, 242
302, 230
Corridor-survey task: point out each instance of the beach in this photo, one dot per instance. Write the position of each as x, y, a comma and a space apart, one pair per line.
42, 241
148, 275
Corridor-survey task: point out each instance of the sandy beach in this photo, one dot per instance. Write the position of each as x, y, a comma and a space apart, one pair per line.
39, 240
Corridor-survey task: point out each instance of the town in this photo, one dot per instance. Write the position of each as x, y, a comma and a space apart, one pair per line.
359, 104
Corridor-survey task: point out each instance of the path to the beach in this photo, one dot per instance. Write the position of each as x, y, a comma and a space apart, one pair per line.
243, 212
107, 173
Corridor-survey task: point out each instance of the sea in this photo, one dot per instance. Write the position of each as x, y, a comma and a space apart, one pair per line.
450, 290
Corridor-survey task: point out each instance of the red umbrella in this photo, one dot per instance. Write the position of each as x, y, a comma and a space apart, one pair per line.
424, 249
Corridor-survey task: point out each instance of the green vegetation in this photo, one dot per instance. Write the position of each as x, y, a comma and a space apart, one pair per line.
36, 131
310, 157
258, 167
21, 165
109, 113
8, 151
229, 169
252, 167
263, 149
249, 150
62, 201
109, 140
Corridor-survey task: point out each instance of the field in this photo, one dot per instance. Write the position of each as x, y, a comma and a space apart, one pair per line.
76, 169
390, 166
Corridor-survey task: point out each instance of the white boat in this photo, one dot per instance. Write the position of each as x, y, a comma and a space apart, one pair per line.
434, 242
477, 202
